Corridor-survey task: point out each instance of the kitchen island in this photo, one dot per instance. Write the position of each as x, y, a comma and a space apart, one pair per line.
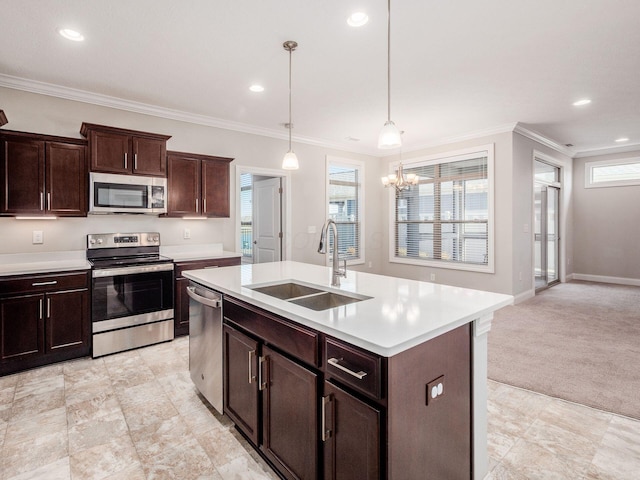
397, 378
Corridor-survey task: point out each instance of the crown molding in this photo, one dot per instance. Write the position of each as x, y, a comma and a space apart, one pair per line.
43, 88
538, 137
594, 152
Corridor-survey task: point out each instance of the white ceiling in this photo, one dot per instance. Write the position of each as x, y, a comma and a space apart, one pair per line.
458, 67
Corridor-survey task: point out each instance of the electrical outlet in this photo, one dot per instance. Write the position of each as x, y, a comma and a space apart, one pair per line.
370, 264
311, 229
38, 237
433, 277
186, 234
526, 228
435, 390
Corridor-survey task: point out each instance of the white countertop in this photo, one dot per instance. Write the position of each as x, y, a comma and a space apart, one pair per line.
402, 313
43, 262
185, 253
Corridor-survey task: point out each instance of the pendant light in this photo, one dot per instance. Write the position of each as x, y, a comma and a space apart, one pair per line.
390, 134
290, 160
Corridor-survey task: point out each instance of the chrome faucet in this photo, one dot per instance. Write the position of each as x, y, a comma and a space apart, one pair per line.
336, 271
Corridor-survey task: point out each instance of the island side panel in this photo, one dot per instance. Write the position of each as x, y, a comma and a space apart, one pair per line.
481, 328
427, 437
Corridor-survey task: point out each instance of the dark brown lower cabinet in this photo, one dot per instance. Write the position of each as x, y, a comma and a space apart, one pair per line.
241, 382
43, 319
289, 415
351, 436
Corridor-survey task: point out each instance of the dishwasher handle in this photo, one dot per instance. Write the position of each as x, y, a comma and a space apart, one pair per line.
210, 302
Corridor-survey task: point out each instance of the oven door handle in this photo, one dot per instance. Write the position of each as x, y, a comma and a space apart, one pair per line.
114, 272
210, 302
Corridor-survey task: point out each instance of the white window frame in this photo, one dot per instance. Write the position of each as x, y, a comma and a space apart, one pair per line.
349, 163
588, 173
447, 157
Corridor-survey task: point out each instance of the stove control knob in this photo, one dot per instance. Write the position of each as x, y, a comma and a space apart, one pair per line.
99, 241
92, 241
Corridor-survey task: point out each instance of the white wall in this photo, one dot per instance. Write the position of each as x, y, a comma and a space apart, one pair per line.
607, 230
36, 113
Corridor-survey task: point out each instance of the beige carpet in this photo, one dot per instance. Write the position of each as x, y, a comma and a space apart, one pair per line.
579, 341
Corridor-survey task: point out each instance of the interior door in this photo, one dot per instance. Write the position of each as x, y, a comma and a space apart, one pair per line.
546, 226
267, 221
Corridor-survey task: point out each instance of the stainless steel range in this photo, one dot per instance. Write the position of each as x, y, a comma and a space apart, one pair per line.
132, 291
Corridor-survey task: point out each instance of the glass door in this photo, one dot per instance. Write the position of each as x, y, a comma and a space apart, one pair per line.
546, 225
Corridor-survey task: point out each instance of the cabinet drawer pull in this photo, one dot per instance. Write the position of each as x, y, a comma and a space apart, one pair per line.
125, 160
212, 266
40, 284
252, 377
326, 432
359, 375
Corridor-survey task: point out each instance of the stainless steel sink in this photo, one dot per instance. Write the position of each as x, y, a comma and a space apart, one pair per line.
316, 297
287, 290
326, 300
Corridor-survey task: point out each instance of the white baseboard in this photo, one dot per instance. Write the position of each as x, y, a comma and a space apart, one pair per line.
605, 279
569, 277
521, 297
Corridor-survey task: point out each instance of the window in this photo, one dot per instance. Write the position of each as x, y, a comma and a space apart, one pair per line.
446, 220
612, 173
345, 206
246, 215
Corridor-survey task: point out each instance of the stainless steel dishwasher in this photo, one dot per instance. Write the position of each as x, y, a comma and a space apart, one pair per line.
205, 342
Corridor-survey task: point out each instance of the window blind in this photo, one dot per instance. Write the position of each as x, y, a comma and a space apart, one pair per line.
345, 209
446, 216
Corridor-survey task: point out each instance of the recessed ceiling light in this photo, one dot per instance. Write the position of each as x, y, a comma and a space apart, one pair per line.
357, 19
579, 103
256, 88
622, 139
71, 34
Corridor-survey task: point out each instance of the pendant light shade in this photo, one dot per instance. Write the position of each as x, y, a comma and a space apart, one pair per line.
390, 136
290, 160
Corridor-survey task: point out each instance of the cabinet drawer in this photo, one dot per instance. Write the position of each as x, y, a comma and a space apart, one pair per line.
298, 341
210, 263
354, 367
45, 283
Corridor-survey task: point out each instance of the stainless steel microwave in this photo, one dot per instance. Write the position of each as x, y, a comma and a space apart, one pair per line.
112, 193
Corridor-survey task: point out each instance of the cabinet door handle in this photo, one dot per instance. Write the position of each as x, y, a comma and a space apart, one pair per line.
261, 383
48, 201
204, 205
41, 200
125, 160
326, 432
196, 205
40, 284
252, 377
40, 309
48, 307
135, 161
359, 375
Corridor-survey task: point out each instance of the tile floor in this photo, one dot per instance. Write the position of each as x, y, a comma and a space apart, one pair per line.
136, 415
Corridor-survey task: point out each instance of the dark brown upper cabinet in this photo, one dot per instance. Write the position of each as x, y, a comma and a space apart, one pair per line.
197, 185
42, 174
118, 150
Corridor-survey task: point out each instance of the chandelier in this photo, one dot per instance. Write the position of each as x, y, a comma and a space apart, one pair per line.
399, 181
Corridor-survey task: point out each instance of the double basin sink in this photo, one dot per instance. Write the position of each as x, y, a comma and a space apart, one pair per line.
314, 297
